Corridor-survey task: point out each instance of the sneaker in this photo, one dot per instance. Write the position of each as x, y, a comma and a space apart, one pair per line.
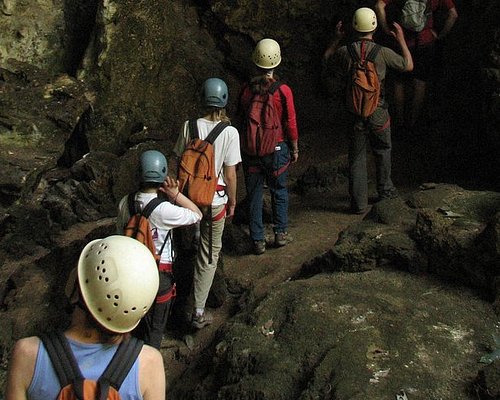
200, 321
280, 239
259, 246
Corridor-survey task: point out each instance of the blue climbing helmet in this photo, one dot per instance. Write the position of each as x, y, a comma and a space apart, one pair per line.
153, 167
215, 93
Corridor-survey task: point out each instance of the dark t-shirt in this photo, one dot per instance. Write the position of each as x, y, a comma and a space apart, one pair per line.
339, 65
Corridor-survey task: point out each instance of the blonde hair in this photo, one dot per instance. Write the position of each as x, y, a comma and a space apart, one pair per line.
217, 114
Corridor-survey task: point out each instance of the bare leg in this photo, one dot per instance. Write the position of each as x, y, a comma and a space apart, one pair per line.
419, 90
399, 104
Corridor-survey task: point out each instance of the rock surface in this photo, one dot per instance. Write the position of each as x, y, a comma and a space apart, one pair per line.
348, 336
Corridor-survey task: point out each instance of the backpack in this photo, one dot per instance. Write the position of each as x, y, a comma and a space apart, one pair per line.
363, 89
263, 124
138, 226
196, 174
414, 15
74, 385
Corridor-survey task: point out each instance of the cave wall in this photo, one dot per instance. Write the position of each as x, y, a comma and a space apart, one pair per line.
183, 43
146, 61
140, 65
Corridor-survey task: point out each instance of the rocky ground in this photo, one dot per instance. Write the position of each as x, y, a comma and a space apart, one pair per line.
353, 307
289, 330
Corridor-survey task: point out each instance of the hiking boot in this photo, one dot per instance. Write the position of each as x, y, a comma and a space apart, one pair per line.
259, 246
200, 321
388, 194
280, 239
358, 211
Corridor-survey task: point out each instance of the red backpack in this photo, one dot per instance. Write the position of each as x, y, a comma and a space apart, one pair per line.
263, 124
363, 89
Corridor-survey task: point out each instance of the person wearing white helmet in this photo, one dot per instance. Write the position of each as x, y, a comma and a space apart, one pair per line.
214, 99
107, 304
269, 169
423, 43
177, 212
375, 129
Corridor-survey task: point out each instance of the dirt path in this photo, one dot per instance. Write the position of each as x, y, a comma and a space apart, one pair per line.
315, 223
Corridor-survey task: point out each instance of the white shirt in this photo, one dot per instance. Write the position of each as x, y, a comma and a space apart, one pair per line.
165, 216
226, 149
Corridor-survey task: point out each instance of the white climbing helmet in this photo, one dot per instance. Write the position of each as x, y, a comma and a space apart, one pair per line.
364, 20
118, 280
267, 54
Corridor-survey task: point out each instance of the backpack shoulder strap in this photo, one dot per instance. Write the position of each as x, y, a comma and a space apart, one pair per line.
131, 203
373, 53
63, 361
151, 206
216, 131
352, 51
193, 129
276, 86
273, 87
169, 236
119, 366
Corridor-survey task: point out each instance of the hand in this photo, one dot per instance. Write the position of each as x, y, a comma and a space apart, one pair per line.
230, 207
294, 157
338, 35
170, 187
339, 30
397, 32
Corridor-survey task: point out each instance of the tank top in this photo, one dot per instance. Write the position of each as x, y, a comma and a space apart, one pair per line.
92, 360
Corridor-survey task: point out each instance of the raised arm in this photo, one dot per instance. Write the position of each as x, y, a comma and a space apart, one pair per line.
448, 23
334, 45
381, 16
171, 189
398, 34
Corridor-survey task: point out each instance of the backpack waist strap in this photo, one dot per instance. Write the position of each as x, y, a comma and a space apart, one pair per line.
165, 267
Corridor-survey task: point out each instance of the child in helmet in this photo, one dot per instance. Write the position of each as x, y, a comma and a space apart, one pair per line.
227, 156
96, 327
272, 169
176, 212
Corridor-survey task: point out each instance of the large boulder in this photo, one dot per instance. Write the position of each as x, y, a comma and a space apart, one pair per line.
348, 336
440, 229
